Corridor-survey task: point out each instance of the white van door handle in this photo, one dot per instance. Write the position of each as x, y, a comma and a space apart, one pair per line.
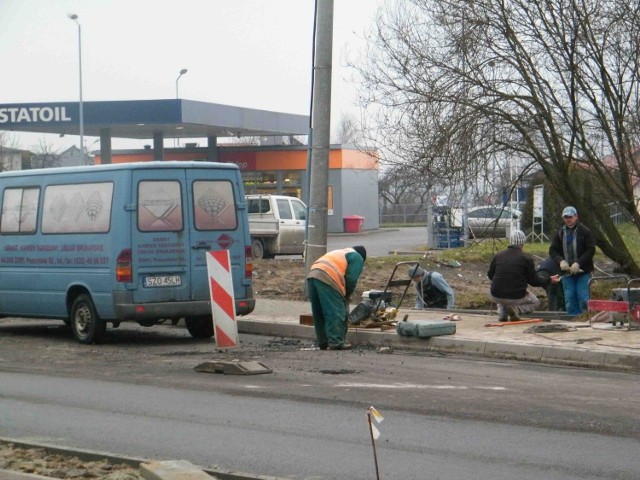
201, 245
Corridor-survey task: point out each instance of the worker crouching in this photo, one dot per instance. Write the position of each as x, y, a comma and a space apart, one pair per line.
510, 272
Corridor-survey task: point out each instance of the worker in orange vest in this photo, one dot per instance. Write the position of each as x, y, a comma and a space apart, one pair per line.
330, 282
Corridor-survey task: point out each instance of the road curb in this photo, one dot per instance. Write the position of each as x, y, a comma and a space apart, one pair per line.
614, 361
159, 473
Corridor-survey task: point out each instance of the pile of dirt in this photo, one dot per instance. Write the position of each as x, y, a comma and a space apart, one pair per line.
284, 280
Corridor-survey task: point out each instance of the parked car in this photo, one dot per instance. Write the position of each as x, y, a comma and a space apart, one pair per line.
492, 221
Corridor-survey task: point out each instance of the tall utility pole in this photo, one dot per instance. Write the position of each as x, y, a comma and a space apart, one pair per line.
321, 132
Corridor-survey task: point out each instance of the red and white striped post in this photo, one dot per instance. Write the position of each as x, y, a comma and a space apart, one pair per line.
223, 306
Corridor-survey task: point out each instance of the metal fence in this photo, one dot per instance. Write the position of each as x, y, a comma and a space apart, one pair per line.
404, 213
411, 214
618, 215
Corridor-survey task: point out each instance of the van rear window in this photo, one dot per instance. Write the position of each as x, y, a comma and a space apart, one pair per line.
214, 205
19, 210
159, 206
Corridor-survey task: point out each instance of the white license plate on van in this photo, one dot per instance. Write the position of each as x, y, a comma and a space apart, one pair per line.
163, 281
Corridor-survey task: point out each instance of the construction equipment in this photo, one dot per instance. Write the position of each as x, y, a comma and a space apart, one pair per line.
377, 308
624, 301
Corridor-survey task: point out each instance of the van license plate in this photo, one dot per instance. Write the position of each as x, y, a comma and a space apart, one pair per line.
163, 281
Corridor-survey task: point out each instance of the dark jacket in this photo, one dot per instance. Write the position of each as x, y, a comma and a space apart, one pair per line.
510, 272
585, 246
549, 267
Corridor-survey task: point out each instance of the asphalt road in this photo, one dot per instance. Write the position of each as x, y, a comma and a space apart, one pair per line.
381, 242
445, 417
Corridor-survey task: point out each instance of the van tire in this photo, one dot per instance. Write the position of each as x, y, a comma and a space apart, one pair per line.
199, 327
257, 249
86, 327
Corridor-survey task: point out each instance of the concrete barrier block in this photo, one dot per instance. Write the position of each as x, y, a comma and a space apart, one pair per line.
173, 470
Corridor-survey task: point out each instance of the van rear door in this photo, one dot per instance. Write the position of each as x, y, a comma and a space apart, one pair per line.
215, 226
161, 238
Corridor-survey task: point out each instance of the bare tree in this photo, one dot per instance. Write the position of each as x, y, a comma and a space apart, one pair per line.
553, 85
348, 131
10, 156
45, 156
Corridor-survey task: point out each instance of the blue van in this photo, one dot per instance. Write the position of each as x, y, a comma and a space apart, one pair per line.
127, 242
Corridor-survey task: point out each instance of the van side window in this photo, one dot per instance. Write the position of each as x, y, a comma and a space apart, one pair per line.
299, 210
159, 206
77, 208
214, 205
19, 210
284, 208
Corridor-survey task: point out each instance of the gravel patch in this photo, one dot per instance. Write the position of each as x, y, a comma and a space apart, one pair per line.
40, 462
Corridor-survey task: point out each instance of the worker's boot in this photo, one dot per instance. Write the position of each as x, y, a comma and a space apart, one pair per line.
513, 313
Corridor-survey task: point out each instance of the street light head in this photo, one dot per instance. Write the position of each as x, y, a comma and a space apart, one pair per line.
72, 16
183, 71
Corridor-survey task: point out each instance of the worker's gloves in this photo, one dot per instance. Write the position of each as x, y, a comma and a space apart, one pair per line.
564, 266
575, 268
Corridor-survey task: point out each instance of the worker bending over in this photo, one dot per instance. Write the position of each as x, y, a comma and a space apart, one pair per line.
330, 282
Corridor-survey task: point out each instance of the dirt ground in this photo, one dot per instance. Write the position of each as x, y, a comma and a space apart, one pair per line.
40, 462
284, 279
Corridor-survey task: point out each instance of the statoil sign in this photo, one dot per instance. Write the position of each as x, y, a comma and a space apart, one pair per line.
24, 114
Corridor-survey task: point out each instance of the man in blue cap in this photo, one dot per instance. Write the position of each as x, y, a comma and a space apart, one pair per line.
573, 248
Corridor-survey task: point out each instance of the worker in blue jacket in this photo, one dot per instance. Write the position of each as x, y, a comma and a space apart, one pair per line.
432, 290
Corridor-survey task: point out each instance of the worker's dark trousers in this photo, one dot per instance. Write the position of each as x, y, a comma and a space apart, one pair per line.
329, 313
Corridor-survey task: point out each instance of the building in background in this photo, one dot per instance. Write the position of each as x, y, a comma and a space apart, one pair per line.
14, 159
71, 157
283, 170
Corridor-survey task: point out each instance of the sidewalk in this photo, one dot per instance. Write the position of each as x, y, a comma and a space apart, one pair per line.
599, 346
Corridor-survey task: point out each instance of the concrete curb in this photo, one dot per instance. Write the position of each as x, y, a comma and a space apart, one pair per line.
614, 361
169, 470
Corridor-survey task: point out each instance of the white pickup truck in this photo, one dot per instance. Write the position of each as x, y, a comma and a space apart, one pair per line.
277, 225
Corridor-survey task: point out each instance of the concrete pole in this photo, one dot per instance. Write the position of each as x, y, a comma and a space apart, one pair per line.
321, 129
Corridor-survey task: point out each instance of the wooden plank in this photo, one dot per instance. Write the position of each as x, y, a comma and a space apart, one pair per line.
517, 322
306, 319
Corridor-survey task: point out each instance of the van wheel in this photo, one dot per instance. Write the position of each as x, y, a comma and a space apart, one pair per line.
257, 248
87, 328
199, 327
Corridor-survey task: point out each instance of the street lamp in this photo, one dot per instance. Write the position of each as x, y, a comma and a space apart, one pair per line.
176, 141
74, 17
182, 72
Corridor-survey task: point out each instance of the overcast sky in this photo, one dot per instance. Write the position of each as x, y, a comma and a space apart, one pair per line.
246, 53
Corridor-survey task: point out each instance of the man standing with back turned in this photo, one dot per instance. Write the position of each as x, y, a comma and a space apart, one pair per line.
330, 282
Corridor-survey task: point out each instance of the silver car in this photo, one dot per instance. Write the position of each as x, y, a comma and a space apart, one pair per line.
492, 221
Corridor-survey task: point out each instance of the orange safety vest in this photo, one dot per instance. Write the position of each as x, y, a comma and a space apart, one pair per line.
334, 264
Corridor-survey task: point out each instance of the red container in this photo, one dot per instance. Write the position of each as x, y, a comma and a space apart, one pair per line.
353, 223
